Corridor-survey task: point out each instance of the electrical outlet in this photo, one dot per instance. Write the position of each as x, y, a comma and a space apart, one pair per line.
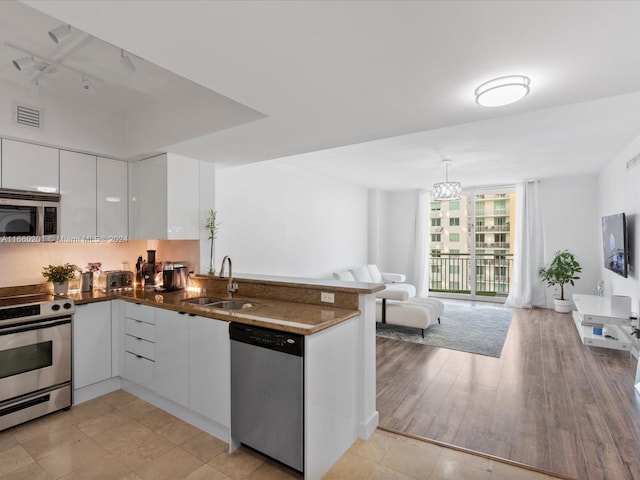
327, 297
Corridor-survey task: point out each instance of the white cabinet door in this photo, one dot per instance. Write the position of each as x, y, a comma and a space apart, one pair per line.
172, 355
183, 200
164, 198
112, 206
29, 167
91, 344
78, 194
148, 198
209, 369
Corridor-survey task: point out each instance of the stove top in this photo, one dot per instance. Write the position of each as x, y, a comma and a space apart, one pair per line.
34, 307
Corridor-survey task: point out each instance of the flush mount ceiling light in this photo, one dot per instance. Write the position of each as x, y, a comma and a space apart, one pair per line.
447, 190
502, 91
60, 34
127, 63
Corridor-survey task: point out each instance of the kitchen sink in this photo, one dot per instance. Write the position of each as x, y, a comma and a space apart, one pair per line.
218, 303
202, 300
231, 304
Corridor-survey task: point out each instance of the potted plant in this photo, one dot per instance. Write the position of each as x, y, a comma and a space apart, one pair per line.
561, 271
60, 276
212, 227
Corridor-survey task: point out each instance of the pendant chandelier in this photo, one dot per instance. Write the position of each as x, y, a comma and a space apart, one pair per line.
447, 190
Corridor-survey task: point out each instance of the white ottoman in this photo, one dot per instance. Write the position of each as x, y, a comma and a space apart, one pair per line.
415, 312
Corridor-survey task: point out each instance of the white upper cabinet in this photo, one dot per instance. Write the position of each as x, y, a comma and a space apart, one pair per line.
78, 194
164, 198
26, 166
113, 213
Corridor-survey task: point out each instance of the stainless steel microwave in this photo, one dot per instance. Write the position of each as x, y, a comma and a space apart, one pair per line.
29, 216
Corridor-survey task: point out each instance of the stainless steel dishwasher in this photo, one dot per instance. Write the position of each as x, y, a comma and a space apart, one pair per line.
267, 392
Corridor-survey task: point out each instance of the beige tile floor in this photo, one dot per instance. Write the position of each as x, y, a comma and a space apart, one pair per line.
120, 437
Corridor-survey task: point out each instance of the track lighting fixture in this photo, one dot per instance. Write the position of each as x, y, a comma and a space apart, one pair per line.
60, 34
87, 85
127, 63
23, 63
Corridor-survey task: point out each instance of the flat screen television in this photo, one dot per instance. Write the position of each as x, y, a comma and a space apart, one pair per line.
614, 244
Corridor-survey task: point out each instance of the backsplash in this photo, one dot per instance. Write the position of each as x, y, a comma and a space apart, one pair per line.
21, 264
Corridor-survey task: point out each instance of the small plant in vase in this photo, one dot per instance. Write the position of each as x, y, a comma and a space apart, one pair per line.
60, 275
212, 226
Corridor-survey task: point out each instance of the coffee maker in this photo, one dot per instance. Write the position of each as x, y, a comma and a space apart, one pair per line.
151, 271
175, 276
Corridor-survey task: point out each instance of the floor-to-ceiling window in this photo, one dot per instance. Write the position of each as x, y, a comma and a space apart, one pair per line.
472, 244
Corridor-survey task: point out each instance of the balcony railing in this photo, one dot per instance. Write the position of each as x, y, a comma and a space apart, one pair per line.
492, 228
451, 273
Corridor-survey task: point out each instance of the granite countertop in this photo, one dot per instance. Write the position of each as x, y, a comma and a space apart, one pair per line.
291, 317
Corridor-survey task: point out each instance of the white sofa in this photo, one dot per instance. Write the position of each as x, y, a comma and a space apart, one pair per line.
398, 304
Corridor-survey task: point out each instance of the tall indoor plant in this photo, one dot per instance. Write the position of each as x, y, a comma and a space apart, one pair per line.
562, 270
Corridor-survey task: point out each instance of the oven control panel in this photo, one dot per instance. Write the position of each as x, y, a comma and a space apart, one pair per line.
38, 310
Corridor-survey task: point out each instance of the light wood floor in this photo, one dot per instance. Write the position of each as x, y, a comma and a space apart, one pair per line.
121, 437
548, 401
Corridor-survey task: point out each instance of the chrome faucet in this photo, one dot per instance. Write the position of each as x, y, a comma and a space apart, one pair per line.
232, 287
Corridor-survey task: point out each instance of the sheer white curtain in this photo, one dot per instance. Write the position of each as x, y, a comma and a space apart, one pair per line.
527, 290
419, 269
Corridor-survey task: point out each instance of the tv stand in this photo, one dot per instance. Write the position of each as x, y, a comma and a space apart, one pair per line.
594, 311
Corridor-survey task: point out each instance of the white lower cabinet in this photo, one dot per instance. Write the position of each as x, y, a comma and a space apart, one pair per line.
181, 357
91, 344
209, 369
139, 344
172, 355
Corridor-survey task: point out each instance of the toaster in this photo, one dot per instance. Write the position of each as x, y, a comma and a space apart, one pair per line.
115, 280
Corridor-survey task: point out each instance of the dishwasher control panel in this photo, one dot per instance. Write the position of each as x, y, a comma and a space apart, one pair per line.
284, 342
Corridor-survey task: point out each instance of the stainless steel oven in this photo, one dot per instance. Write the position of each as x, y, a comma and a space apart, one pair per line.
35, 357
29, 216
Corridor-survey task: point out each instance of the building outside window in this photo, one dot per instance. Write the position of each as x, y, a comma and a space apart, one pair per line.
454, 237
436, 237
500, 207
435, 253
454, 221
454, 269
436, 222
479, 208
435, 206
454, 205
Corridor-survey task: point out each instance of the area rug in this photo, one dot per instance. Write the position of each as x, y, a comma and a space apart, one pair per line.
473, 327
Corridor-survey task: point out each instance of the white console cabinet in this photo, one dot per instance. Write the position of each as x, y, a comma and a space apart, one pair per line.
594, 311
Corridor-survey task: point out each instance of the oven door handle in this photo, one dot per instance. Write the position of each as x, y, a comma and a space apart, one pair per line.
37, 325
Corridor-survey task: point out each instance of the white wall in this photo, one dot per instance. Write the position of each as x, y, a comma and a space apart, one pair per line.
396, 222
618, 191
65, 124
570, 218
280, 220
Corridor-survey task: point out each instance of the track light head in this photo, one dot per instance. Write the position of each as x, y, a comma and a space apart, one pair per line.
60, 34
23, 63
87, 85
127, 63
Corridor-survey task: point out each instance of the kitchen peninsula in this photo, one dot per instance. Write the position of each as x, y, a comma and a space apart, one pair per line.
175, 354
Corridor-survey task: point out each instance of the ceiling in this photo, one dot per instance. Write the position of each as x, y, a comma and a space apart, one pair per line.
379, 93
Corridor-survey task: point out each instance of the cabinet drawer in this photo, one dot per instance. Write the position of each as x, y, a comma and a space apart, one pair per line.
139, 370
140, 329
140, 347
139, 312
